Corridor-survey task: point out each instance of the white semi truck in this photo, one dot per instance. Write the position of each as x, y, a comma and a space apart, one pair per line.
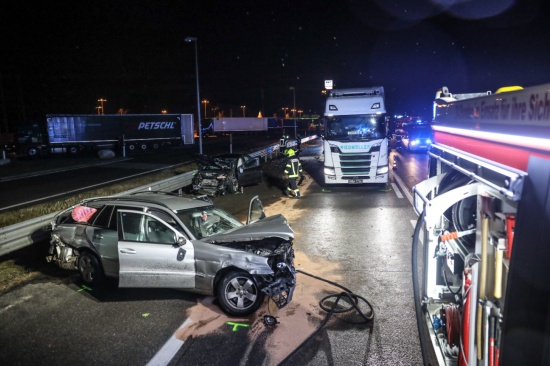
481, 247
355, 144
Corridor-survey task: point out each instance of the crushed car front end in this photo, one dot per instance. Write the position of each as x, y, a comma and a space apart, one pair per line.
264, 249
213, 176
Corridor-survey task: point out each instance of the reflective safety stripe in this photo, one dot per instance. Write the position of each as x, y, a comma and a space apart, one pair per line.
293, 168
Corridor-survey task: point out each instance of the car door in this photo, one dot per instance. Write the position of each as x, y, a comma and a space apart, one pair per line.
104, 238
152, 253
249, 170
255, 210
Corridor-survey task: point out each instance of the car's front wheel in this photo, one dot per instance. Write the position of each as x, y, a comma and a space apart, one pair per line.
233, 186
90, 269
238, 294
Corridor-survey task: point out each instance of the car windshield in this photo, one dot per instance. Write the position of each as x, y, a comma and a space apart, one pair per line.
206, 221
367, 127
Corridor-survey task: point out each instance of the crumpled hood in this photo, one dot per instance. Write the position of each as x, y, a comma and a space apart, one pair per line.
206, 160
272, 226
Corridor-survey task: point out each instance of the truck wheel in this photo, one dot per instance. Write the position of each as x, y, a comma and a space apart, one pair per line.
143, 146
73, 150
155, 146
33, 151
131, 147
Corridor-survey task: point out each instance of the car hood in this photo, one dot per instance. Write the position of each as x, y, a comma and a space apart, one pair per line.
205, 160
208, 161
272, 226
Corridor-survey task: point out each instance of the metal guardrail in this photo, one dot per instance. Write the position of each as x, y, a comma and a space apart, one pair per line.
23, 234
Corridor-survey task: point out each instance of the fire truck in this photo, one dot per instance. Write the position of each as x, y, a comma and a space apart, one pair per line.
481, 247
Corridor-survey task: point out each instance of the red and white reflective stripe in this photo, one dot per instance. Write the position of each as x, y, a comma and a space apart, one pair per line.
513, 151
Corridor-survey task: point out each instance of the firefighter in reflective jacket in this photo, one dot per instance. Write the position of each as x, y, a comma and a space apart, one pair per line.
293, 170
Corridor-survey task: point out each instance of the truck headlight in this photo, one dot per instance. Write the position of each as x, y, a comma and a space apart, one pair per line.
380, 170
329, 170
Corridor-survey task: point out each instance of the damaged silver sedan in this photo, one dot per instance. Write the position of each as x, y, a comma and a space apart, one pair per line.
160, 240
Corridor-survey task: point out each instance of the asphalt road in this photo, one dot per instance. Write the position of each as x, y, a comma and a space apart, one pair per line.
359, 237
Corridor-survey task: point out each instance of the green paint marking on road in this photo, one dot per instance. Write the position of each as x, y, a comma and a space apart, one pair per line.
145, 315
237, 325
84, 287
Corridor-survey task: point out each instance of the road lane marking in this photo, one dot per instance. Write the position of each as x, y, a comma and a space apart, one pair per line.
403, 188
167, 352
22, 300
396, 190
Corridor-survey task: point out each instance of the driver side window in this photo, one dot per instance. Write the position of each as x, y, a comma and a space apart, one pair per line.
143, 228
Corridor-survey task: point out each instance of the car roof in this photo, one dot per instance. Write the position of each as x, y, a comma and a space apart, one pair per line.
171, 202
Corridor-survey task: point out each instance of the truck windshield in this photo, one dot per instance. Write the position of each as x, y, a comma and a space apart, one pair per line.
367, 127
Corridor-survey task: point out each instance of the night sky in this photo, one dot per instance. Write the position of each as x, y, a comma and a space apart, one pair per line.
62, 56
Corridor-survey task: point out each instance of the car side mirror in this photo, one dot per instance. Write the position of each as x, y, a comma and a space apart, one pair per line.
181, 241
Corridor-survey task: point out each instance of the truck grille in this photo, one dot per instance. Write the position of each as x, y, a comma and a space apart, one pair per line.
355, 164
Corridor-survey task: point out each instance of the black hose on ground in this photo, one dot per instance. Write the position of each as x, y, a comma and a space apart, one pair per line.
349, 296
416, 291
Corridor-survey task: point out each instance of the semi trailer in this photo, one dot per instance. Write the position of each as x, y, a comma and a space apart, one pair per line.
76, 133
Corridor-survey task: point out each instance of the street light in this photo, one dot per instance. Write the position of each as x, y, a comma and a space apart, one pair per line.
294, 110
205, 103
189, 40
244, 110
101, 105
284, 110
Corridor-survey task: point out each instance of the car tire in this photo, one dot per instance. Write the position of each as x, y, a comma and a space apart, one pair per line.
233, 186
238, 294
90, 270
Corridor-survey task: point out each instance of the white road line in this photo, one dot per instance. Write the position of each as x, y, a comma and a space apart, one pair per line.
403, 188
396, 190
167, 352
22, 300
